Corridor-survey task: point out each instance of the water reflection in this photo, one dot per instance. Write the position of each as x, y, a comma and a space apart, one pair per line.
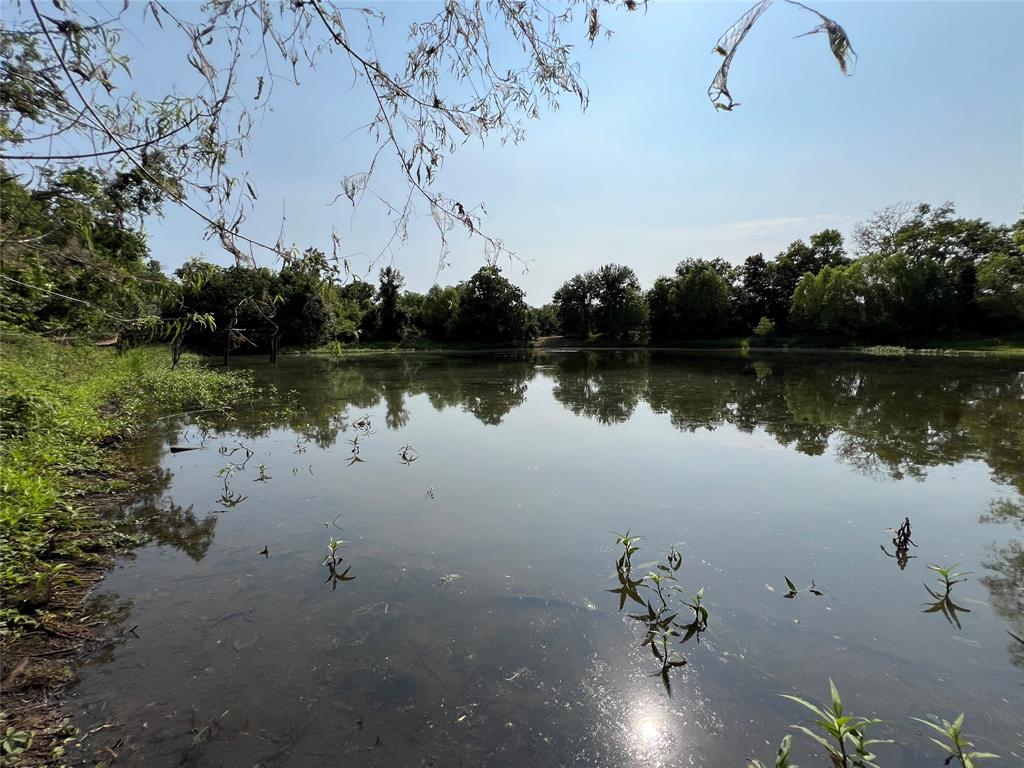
178, 527
1005, 580
473, 627
895, 419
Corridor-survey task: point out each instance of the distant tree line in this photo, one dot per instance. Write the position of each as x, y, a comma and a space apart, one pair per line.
308, 310
75, 259
917, 271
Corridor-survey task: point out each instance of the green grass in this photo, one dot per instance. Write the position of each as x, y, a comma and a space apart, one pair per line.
63, 410
418, 345
1010, 345
1007, 345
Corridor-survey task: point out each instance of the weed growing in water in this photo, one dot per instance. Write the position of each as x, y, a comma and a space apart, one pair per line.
239, 446
263, 474
663, 632
793, 591
843, 737
781, 757
364, 425
836, 732
956, 744
408, 454
229, 498
354, 457
333, 563
902, 542
943, 603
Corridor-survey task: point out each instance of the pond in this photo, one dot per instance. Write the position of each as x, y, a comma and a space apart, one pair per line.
471, 615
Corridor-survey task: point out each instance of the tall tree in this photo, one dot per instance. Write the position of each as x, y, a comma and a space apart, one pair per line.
621, 311
702, 299
492, 309
389, 314
575, 304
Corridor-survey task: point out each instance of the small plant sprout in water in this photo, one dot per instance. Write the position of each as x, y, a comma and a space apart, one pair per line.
354, 457
902, 543
942, 602
239, 446
700, 617
662, 631
781, 757
842, 735
363, 425
333, 562
263, 474
793, 591
954, 742
949, 575
229, 498
408, 454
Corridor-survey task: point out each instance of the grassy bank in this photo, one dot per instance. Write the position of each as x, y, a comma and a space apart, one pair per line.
1006, 346
67, 414
417, 345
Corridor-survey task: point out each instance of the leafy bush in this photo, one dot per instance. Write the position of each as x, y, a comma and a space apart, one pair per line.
59, 407
764, 327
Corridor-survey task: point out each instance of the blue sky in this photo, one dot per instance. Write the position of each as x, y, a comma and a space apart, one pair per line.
651, 173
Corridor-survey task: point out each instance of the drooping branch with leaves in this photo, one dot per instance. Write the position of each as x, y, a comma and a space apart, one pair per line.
69, 95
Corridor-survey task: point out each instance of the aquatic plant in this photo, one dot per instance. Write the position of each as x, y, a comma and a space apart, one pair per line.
839, 731
948, 576
408, 454
228, 497
943, 603
239, 446
700, 616
333, 563
263, 474
902, 543
781, 757
364, 425
956, 744
793, 591
662, 630
354, 452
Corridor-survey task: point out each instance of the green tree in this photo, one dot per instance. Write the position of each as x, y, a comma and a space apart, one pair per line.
74, 254
439, 312
545, 319
575, 305
492, 309
621, 311
661, 310
702, 299
833, 302
389, 319
1000, 285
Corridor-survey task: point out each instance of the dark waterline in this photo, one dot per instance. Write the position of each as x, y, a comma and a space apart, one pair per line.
478, 628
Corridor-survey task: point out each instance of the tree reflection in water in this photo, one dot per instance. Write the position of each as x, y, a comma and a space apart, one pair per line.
1005, 582
885, 418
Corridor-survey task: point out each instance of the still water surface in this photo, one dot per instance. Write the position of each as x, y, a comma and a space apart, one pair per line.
473, 625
